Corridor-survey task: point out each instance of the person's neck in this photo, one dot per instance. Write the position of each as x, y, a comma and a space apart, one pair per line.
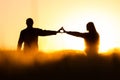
29, 27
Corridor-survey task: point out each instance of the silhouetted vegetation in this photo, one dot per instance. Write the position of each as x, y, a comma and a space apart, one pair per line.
70, 64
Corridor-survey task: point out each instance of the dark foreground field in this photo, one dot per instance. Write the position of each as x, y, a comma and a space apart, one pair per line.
63, 65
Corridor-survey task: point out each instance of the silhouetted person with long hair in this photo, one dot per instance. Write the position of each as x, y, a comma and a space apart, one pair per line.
91, 39
29, 36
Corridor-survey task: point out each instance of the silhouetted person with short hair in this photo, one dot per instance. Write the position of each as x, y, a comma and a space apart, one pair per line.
91, 39
29, 36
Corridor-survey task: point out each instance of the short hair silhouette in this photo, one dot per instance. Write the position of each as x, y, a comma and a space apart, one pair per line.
29, 36
29, 22
91, 39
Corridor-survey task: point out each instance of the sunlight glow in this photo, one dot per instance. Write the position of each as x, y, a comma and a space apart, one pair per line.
73, 15
78, 23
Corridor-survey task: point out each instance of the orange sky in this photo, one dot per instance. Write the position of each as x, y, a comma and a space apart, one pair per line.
52, 14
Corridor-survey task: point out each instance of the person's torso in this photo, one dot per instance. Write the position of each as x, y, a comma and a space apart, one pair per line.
30, 38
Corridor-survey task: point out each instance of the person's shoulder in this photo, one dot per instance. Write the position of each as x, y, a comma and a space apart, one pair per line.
23, 30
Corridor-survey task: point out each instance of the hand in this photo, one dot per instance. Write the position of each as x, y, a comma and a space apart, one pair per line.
61, 30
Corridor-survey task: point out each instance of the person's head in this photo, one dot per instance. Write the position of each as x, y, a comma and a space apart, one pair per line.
91, 27
29, 22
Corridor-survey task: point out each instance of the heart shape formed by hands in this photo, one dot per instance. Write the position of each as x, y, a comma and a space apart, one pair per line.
61, 30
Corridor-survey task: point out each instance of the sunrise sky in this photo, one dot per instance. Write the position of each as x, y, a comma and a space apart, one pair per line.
73, 15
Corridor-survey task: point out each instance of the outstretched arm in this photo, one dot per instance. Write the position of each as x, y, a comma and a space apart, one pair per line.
73, 33
77, 34
41, 32
49, 32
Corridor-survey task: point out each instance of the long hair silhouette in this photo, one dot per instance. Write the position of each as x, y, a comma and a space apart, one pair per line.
91, 39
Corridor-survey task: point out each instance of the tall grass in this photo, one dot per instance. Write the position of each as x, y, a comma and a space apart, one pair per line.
66, 64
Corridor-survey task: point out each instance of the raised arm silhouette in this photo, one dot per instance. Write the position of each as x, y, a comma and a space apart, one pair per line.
91, 39
29, 36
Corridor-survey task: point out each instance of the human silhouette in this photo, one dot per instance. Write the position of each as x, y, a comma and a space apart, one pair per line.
29, 36
91, 38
